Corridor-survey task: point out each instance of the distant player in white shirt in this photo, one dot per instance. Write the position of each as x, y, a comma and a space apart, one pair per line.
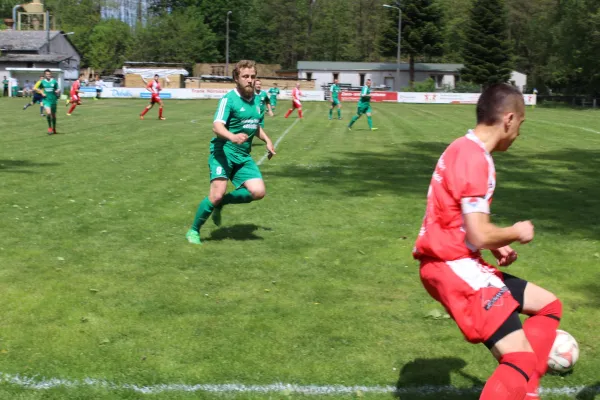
99, 87
296, 104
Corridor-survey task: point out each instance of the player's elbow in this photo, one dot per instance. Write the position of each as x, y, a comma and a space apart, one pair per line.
476, 238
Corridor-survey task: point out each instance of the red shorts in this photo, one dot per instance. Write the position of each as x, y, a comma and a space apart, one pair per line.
296, 104
472, 292
155, 98
75, 98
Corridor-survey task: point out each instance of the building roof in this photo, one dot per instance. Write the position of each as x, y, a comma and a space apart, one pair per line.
51, 58
368, 66
24, 40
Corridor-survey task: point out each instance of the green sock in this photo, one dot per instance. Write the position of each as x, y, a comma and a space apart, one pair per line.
238, 196
49, 119
370, 121
330, 113
339, 113
204, 210
354, 119
54, 122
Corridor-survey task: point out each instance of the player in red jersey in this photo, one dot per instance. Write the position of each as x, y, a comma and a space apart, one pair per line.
296, 94
154, 88
483, 301
75, 100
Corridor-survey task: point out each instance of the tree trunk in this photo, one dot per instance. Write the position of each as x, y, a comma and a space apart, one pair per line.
411, 71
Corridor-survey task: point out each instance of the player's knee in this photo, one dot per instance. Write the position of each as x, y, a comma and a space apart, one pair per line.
216, 197
553, 309
258, 193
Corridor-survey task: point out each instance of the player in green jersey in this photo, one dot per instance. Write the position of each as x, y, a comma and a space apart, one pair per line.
364, 106
265, 101
236, 123
273, 93
50, 92
335, 99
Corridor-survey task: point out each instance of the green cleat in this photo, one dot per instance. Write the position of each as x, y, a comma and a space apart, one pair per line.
349, 128
374, 129
193, 237
216, 216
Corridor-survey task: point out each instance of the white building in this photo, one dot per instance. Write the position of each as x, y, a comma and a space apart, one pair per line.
36, 50
385, 74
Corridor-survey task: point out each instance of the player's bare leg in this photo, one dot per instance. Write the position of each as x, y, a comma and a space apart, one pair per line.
148, 108
251, 190
545, 311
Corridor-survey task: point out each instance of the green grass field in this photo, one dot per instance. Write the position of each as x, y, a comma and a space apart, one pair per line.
314, 285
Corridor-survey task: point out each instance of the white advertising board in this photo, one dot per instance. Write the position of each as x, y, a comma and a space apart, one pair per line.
451, 98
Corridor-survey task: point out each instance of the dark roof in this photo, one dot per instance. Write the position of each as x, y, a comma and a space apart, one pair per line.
371, 66
24, 40
53, 57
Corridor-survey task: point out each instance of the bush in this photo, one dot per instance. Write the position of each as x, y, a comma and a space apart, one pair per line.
467, 87
427, 86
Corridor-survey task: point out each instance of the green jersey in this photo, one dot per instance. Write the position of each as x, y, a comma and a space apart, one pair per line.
365, 95
239, 116
274, 92
5, 83
49, 87
335, 91
263, 98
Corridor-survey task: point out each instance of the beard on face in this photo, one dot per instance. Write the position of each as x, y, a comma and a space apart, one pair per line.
245, 91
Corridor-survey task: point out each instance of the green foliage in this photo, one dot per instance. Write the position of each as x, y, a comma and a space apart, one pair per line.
426, 86
487, 50
111, 41
466, 87
181, 36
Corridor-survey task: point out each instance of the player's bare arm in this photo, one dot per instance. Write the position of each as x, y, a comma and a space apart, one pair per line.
262, 135
483, 234
221, 131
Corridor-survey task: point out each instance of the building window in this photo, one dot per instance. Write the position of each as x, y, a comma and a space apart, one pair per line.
336, 75
217, 70
362, 79
309, 76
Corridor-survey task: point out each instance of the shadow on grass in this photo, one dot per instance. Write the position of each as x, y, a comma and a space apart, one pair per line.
557, 190
19, 165
430, 379
237, 232
590, 392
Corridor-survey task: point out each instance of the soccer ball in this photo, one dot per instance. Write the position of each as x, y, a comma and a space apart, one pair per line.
564, 353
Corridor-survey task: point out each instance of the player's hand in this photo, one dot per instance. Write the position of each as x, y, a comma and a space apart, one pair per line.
271, 113
239, 138
505, 256
525, 231
271, 150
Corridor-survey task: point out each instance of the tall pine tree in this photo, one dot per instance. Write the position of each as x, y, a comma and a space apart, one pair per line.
487, 51
421, 31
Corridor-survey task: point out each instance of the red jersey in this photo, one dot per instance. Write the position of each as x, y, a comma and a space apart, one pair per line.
296, 93
154, 87
463, 182
75, 88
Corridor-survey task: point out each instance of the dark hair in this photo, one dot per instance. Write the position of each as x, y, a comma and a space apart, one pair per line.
81, 74
155, 75
47, 70
495, 100
243, 64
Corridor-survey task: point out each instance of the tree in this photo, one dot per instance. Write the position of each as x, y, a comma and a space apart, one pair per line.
110, 43
181, 36
487, 51
422, 32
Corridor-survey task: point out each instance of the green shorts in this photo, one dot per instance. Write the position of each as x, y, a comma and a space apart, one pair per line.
273, 101
238, 169
51, 105
335, 102
364, 109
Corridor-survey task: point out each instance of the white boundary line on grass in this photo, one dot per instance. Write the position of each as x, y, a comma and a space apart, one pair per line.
280, 138
565, 125
45, 384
